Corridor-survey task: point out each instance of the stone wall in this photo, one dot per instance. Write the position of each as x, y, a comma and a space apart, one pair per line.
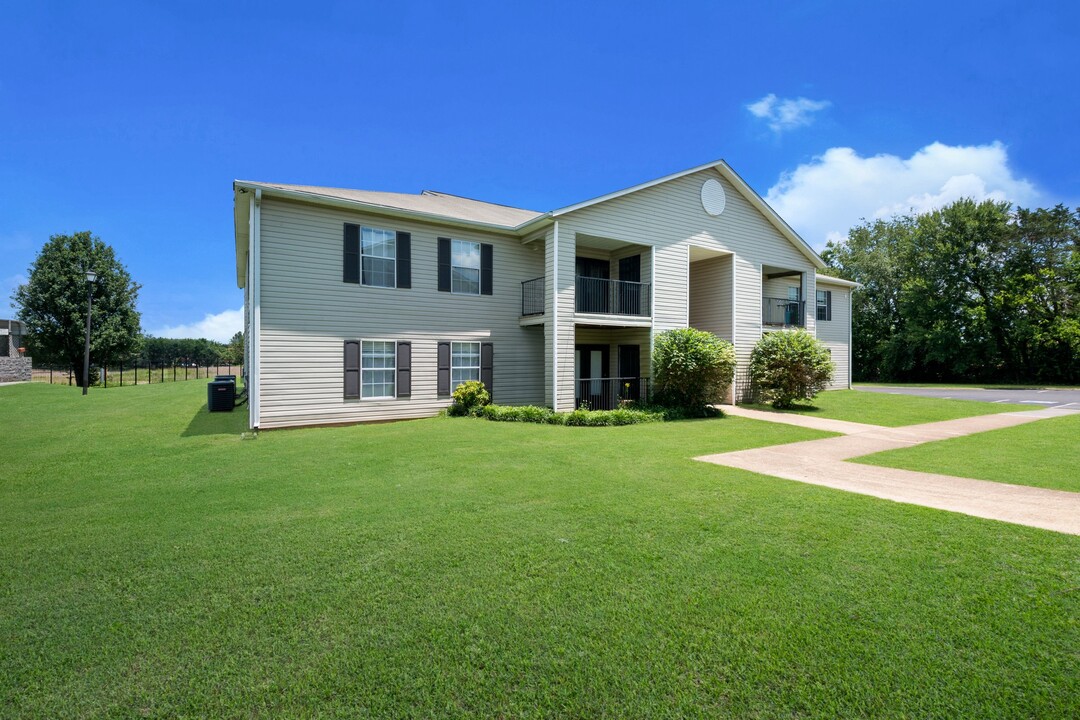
15, 369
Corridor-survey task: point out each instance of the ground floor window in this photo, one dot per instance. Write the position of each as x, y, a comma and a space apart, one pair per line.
464, 362
377, 368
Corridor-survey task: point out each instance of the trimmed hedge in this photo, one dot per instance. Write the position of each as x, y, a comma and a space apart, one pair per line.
577, 418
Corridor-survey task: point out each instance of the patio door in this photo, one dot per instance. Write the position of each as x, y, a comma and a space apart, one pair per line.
629, 293
592, 284
591, 363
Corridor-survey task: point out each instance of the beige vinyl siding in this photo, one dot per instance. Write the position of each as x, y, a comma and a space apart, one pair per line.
834, 333
560, 294
669, 217
778, 287
710, 296
308, 312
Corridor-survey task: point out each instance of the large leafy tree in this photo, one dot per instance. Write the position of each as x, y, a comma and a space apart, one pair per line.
973, 291
52, 303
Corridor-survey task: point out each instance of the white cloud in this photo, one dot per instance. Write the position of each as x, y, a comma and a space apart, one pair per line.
220, 327
826, 197
786, 113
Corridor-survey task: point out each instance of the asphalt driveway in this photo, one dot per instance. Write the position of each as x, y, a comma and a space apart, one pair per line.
1036, 398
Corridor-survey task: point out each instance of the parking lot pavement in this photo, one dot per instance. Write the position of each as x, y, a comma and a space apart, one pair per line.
1068, 399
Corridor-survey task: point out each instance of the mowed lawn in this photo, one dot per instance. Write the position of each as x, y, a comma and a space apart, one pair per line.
155, 564
1043, 454
891, 410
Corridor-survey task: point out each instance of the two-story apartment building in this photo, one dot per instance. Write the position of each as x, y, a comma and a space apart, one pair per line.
364, 306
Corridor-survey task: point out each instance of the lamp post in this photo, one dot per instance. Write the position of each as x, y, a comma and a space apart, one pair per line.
91, 276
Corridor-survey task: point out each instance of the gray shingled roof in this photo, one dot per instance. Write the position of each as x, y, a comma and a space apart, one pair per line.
428, 202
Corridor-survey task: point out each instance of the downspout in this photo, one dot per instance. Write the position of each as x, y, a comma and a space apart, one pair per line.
555, 320
254, 280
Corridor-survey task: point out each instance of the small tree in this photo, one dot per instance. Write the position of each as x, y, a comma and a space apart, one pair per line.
52, 303
789, 365
692, 368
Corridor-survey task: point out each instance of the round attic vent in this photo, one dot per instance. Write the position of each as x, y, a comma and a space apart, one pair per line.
712, 196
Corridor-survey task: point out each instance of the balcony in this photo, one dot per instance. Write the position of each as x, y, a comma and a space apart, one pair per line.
781, 312
532, 297
613, 297
608, 393
597, 296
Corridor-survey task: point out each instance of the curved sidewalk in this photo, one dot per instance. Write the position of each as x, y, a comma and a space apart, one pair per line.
821, 462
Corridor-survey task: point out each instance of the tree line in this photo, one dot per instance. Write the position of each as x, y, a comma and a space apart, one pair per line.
974, 291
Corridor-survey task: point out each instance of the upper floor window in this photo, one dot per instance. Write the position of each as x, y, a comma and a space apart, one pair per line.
824, 305
465, 267
378, 253
377, 258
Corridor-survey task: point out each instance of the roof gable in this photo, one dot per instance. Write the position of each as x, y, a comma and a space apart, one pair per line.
736, 181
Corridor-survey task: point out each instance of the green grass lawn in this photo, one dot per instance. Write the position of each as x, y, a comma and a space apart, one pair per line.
155, 564
891, 410
1042, 454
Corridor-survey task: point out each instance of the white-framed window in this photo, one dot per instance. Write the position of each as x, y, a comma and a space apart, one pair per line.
824, 305
464, 362
378, 366
378, 257
465, 269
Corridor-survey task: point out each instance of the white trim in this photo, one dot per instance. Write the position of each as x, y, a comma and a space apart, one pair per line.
555, 319
394, 258
830, 280
377, 209
479, 360
254, 278
393, 395
734, 327
632, 189
728, 174
479, 267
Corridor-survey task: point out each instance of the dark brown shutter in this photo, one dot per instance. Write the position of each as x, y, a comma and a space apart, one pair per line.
444, 368
352, 369
404, 260
486, 376
444, 264
351, 260
487, 277
828, 304
404, 369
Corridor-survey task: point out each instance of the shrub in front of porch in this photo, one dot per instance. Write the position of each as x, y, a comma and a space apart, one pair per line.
789, 365
692, 369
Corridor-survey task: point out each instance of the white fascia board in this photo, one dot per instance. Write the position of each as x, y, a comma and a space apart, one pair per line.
771, 215
830, 280
377, 209
633, 189
241, 211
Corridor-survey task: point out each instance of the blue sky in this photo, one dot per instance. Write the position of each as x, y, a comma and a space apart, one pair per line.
132, 119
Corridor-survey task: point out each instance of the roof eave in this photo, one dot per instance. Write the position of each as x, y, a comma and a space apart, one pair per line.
386, 210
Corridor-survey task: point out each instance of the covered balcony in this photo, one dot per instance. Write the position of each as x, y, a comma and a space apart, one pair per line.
783, 304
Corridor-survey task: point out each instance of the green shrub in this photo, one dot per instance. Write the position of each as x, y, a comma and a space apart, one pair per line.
691, 369
525, 413
789, 365
470, 397
582, 417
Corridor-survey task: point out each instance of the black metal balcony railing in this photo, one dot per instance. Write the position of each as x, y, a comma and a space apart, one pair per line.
609, 393
532, 297
781, 312
612, 297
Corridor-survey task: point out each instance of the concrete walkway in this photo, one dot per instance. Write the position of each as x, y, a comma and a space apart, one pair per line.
821, 462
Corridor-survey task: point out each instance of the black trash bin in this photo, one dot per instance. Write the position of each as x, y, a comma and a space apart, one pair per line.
225, 377
221, 395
